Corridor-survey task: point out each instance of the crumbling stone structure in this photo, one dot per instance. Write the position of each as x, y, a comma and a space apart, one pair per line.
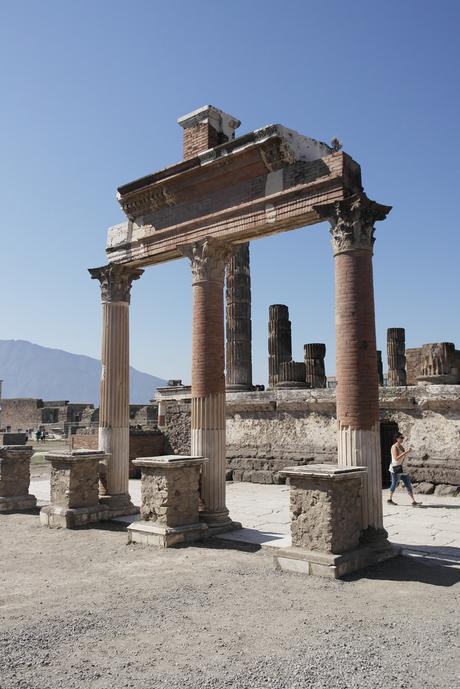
15, 478
396, 353
314, 354
437, 363
238, 321
291, 374
279, 341
74, 490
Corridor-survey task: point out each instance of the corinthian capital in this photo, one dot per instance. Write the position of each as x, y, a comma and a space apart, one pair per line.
208, 259
352, 222
116, 281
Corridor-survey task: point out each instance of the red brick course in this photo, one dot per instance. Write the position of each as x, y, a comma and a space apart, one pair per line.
357, 383
208, 338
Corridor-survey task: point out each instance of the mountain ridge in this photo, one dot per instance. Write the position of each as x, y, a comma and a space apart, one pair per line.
32, 370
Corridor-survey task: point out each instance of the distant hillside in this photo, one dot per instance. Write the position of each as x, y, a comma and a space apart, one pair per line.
29, 370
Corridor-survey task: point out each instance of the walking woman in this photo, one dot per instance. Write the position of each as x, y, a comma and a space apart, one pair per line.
398, 454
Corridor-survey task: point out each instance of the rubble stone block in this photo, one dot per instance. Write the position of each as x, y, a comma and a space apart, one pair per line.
74, 490
170, 501
15, 478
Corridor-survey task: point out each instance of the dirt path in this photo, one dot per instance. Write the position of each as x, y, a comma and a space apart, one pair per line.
83, 609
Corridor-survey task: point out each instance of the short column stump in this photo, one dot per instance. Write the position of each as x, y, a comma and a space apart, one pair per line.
170, 501
326, 524
74, 490
15, 478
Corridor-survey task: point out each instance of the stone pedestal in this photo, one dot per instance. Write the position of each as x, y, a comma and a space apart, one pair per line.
291, 375
74, 490
116, 281
238, 322
326, 519
170, 500
315, 373
279, 340
208, 259
352, 231
15, 478
396, 354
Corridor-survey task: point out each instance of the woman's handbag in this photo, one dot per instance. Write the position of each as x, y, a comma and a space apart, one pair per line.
398, 469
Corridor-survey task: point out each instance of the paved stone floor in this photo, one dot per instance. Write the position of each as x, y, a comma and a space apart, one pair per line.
429, 531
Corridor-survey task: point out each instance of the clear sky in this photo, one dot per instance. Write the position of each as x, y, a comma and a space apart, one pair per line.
90, 96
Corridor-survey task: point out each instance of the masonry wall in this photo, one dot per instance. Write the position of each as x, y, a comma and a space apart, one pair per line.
267, 431
21, 412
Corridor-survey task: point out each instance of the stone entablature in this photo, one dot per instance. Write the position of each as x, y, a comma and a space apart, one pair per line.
261, 183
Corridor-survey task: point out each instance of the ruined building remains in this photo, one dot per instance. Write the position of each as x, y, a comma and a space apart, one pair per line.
315, 371
396, 354
238, 321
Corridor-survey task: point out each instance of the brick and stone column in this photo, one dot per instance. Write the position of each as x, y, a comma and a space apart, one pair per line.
279, 340
238, 322
315, 372
396, 353
116, 281
352, 230
208, 259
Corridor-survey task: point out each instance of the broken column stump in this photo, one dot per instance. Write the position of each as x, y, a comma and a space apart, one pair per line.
170, 501
15, 478
326, 522
291, 375
74, 490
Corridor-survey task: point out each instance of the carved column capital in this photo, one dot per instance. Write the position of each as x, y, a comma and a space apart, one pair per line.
352, 222
208, 259
116, 281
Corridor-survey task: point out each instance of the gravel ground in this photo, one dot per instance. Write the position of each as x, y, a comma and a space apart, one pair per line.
84, 609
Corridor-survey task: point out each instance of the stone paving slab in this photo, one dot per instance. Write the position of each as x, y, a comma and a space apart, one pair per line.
429, 531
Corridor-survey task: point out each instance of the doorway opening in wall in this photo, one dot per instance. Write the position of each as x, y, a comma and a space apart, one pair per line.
388, 431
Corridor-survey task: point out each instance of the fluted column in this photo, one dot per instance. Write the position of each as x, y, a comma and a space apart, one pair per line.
352, 230
238, 322
279, 340
116, 281
208, 259
315, 372
396, 354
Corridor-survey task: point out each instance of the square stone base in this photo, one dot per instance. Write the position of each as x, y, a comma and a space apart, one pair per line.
320, 564
18, 502
152, 533
217, 528
70, 518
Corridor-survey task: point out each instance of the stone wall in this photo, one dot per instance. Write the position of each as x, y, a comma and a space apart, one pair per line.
22, 412
267, 431
141, 444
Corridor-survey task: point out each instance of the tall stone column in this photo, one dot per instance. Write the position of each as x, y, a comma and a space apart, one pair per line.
208, 259
116, 281
396, 354
379, 367
352, 230
315, 372
279, 340
238, 324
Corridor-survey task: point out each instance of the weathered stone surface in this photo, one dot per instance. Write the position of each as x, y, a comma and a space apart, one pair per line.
238, 322
315, 373
325, 507
423, 487
279, 340
15, 478
447, 490
291, 374
170, 497
396, 354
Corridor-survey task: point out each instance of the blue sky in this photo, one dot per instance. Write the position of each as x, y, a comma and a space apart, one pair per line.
91, 93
